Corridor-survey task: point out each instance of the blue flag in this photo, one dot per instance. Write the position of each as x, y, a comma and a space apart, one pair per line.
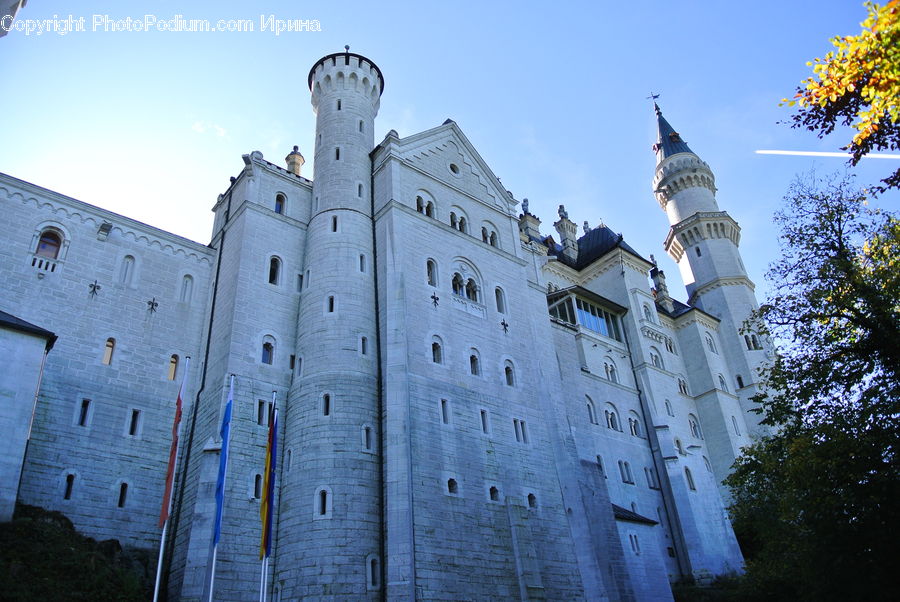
223, 463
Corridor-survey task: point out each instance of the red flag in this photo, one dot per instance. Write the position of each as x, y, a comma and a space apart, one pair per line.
173, 450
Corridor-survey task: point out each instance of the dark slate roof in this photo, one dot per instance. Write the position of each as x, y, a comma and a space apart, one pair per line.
668, 141
679, 309
624, 514
14, 323
592, 246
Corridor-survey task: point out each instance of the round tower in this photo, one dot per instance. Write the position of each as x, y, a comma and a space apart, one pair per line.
704, 241
329, 530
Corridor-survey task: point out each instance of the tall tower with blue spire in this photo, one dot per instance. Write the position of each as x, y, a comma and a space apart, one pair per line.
704, 241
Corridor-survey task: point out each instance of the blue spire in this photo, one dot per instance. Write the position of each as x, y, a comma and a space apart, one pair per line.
668, 141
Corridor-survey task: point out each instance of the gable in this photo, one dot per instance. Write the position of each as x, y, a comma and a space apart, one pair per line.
445, 154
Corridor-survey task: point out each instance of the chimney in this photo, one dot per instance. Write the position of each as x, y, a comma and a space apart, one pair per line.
295, 161
568, 234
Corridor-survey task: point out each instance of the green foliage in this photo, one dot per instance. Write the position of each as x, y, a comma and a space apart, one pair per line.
813, 504
858, 85
42, 557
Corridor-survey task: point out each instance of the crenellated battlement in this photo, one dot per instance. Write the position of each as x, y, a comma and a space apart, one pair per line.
681, 172
345, 71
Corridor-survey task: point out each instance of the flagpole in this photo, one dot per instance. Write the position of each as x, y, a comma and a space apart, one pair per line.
170, 474
220, 484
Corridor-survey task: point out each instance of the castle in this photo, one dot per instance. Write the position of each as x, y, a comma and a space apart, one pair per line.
471, 408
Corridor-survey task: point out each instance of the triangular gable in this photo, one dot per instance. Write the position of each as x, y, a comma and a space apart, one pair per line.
446, 145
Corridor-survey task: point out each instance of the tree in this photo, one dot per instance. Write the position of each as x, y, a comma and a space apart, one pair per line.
814, 503
858, 84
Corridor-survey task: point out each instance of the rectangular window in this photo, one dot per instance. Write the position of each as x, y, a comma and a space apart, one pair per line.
445, 411
337, 154
299, 282
84, 412
597, 319
517, 429
135, 423
485, 422
263, 408
524, 428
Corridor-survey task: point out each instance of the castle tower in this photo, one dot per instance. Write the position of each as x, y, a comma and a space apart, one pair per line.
704, 241
329, 529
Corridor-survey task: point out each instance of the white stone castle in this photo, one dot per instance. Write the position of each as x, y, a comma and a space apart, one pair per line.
471, 409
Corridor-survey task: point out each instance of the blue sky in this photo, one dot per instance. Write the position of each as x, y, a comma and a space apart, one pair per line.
152, 124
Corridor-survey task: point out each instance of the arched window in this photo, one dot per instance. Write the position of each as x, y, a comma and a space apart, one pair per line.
471, 290
609, 366
187, 288
694, 425
452, 487
173, 366
748, 342
634, 424
108, 351
484, 234
431, 272
682, 386
670, 346
492, 239
625, 472
123, 495
612, 418
656, 358
463, 225
755, 341
494, 494
323, 502
509, 372
669, 408
274, 270
268, 353
707, 464
722, 384
373, 572
734, 425
326, 404
459, 286
420, 204
279, 203
126, 272
532, 501
710, 344
437, 355
474, 363
648, 314
454, 221
500, 300
689, 478
592, 412
49, 244
740, 382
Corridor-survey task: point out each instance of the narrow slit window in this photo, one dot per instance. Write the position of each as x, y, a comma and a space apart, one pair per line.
274, 270
485, 422
323, 502
339, 104
367, 438
364, 346
108, 351
135, 422
70, 485
334, 223
331, 304
326, 405
445, 411
173, 366
452, 487
279, 203
257, 486
337, 154
123, 495
362, 263
359, 190
84, 412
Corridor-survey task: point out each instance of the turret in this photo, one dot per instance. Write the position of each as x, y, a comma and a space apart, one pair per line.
333, 421
568, 234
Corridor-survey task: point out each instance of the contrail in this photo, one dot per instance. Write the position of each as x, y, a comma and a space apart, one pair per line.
824, 154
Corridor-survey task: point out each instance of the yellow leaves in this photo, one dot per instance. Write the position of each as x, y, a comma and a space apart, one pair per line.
864, 67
